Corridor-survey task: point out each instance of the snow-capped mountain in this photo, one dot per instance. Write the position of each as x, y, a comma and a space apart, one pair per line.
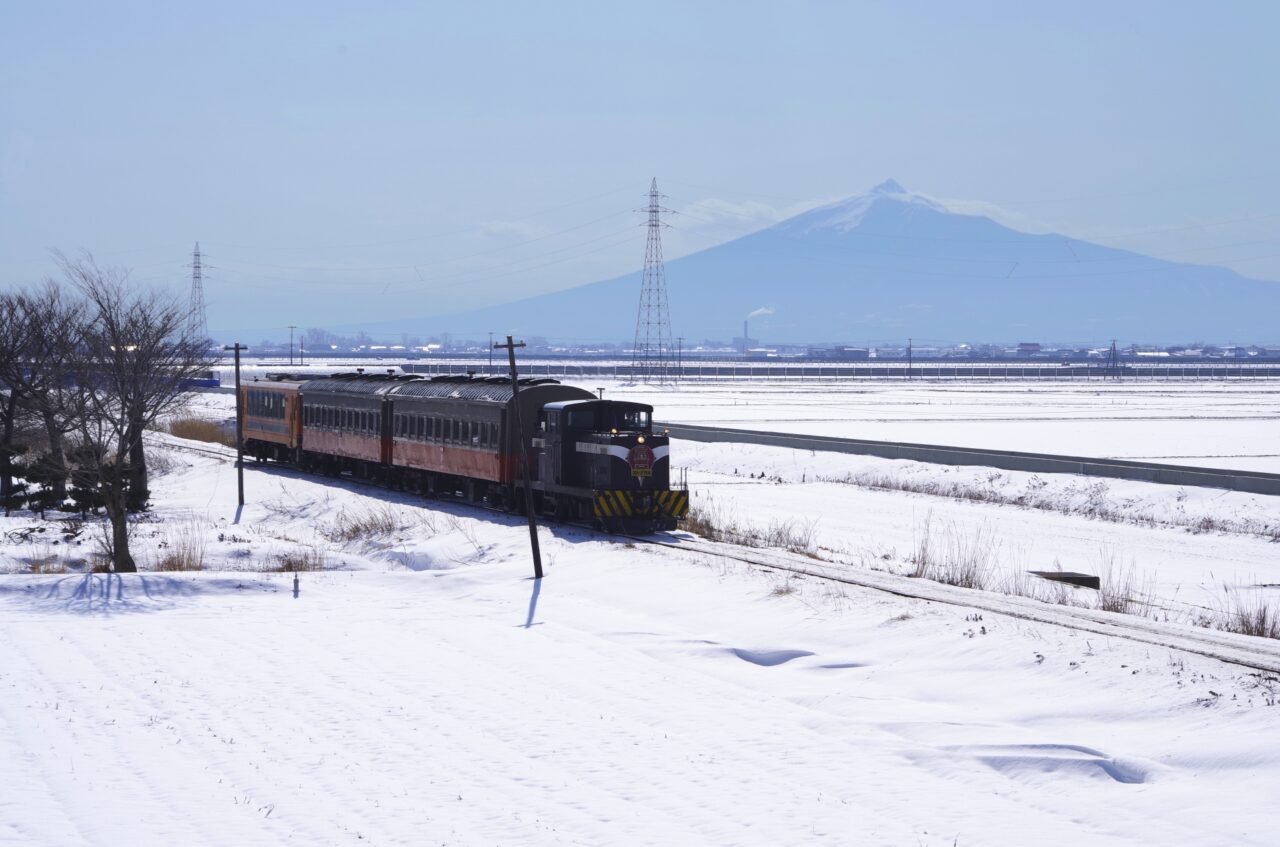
890, 264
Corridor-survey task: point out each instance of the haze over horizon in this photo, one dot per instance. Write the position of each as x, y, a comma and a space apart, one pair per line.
343, 166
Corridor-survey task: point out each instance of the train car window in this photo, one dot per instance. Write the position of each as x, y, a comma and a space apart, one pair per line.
457, 431
423, 428
581, 419
635, 419
553, 422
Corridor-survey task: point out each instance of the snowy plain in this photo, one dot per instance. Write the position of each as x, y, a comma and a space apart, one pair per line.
420, 688
1210, 424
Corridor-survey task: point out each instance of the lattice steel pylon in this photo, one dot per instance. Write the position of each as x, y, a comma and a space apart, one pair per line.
1113, 362
199, 321
651, 360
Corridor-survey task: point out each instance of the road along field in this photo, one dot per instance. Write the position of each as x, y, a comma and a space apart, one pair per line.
1227, 425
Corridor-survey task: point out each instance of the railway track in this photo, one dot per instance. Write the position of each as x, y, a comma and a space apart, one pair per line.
1257, 654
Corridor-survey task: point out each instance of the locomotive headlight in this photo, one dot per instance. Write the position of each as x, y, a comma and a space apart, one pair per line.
614, 430
639, 439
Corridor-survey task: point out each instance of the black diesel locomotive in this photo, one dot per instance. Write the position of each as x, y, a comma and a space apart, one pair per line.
593, 461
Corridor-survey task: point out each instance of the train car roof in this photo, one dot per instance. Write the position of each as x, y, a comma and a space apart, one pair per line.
276, 381
494, 389
565, 404
355, 383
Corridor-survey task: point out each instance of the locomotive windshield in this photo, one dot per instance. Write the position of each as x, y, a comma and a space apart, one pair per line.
602, 417
633, 419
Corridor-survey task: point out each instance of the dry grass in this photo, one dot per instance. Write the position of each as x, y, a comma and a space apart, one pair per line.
1250, 614
965, 561
308, 559
184, 550
1085, 500
196, 429
790, 535
1120, 590
352, 526
46, 565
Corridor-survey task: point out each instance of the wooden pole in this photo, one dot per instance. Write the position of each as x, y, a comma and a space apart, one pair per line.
510, 347
239, 425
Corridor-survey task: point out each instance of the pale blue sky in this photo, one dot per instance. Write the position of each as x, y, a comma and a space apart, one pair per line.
342, 163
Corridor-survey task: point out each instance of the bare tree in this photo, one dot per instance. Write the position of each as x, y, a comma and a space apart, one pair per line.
137, 350
14, 340
51, 322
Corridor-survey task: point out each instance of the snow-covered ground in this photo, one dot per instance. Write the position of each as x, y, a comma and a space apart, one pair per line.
1213, 424
421, 689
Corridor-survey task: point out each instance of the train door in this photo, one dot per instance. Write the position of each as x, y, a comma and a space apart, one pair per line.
551, 466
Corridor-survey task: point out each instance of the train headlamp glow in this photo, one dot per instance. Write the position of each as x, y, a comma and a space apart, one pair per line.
614, 430
639, 439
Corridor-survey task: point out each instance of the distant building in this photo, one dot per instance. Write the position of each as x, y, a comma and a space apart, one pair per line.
840, 354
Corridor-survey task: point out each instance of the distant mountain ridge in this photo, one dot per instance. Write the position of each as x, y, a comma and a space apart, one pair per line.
890, 264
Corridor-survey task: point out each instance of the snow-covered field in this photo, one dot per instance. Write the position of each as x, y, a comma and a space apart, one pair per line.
421, 689
1213, 424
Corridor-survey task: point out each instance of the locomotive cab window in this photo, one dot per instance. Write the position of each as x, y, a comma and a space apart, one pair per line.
633, 419
581, 419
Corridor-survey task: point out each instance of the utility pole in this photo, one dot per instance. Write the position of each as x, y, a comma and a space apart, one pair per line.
239, 425
510, 347
491, 354
291, 328
679, 358
908, 358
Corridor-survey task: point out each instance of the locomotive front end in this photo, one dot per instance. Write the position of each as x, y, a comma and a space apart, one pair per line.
610, 453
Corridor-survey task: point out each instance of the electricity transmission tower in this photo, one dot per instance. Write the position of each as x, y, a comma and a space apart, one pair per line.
651, 360
1113, 362
199, 322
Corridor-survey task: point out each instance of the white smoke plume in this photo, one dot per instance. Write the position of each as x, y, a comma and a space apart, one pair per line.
763, 310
